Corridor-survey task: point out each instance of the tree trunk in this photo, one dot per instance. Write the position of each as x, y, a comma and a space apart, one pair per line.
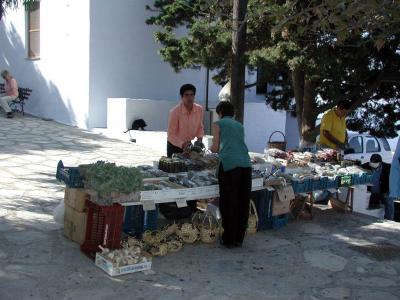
304, 93
309, 115
238, 62
298, 88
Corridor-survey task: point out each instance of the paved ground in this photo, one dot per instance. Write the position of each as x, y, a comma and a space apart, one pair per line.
334, 256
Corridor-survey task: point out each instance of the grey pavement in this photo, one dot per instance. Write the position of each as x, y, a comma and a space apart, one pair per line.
334, 256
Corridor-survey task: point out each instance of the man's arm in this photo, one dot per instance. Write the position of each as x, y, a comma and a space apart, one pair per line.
332, 139
215, 143
326, 127
200, 128
173, 131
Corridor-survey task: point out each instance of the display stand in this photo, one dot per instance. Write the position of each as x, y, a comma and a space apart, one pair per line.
346, 206
303, 208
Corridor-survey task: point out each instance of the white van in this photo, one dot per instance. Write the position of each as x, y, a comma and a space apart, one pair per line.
362, 146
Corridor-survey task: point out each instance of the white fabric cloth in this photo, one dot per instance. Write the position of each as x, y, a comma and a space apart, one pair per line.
5, 102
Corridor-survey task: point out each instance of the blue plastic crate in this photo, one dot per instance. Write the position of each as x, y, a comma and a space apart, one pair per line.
319, 184
137, 220
263, 201
315, 184
302, 186
360, 178
323, 183
280, 221
332, 183
69, 175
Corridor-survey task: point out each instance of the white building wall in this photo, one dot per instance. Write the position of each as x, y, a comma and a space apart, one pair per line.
125, 62
259, 121
94, 50
59, 79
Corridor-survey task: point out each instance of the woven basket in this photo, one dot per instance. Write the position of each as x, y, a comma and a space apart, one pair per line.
159, 249
197, 219
132, 242
210, 229
170, 229
275, 144
152, 237
253, 219
188, 233
174, 245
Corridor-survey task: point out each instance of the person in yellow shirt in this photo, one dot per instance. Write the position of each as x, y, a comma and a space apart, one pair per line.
333, 126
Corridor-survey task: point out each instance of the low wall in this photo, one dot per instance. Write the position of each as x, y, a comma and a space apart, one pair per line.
259, 121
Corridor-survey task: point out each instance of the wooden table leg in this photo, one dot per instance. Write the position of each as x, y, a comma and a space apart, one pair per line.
311, 200
349, 199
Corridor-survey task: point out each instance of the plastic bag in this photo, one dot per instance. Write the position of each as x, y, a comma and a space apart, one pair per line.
58, 213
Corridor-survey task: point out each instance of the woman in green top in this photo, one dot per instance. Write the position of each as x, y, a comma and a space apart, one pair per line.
234, 175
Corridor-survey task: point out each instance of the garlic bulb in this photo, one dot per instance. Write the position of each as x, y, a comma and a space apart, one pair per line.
123, 257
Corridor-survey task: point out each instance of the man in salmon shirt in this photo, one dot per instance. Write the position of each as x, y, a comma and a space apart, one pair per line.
185, 122
11, 88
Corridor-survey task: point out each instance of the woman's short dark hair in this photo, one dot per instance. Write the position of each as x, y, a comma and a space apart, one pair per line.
225, 109
187, 87
344, 104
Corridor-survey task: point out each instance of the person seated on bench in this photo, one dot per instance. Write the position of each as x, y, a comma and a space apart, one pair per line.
11, 89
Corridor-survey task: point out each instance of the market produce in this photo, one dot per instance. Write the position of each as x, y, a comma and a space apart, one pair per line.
107, 178
150, 172
276, 153
209, 161
299, 159
194, 179
172, 165
124, 257
160, 185
257, 158
327, 155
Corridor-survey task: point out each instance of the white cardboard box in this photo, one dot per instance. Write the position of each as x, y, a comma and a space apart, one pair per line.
108, 267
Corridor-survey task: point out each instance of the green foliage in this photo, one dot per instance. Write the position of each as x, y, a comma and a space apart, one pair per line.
344, 49
373, 117
342, 18
105, 178
5, 4
194, 33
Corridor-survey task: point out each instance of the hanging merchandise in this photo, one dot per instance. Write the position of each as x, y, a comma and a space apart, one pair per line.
253, 219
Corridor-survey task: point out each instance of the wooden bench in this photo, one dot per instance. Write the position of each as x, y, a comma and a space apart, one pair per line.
24, 94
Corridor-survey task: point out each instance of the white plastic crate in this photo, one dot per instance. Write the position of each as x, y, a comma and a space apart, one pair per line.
108, 267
